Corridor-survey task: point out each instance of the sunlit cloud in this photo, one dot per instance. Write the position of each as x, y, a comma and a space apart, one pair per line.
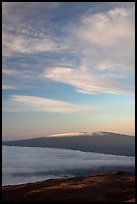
105, 42
109, 39
107, 28
20, 103
20, 44
87, 82
80, 54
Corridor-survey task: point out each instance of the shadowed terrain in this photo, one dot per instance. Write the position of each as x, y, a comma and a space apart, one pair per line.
115, 186
102, 142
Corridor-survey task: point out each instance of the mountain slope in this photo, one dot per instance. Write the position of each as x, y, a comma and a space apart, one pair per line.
108, 187
103, 142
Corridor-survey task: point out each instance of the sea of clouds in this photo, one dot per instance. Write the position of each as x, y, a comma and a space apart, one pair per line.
30, 164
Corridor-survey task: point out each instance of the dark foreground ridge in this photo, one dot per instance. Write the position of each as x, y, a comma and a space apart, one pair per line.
107, 187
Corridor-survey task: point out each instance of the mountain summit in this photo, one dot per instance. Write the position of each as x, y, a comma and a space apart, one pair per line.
102, 142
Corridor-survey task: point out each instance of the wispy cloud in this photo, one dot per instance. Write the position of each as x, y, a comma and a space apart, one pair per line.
13, 44
21, 103
108, 39
107, 28
20, 73
105, 43
68, 51
21, 34
87, 81
10, 72
8, 87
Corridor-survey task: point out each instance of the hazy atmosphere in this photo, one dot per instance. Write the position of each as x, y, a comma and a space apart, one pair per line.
67, 67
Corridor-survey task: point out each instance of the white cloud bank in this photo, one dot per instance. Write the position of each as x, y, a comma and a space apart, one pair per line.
25, 164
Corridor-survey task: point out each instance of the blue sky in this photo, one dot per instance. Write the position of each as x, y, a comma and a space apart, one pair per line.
67, 67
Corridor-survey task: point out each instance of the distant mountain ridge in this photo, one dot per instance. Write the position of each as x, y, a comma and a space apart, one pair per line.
100, 142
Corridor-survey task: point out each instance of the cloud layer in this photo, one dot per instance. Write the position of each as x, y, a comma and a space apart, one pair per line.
105, 42
102, 41
25, 164
21, 103
68, 57
87, 83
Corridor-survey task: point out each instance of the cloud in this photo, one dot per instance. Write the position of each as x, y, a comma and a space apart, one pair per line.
23, 32
98, 44
14, 78
10, 72
88, 81
8, 87
20, 73
25, 164
111, 39
13, 44
105, 43
107, 28
20, 103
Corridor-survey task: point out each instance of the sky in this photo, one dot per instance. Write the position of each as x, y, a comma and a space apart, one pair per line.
67, 67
